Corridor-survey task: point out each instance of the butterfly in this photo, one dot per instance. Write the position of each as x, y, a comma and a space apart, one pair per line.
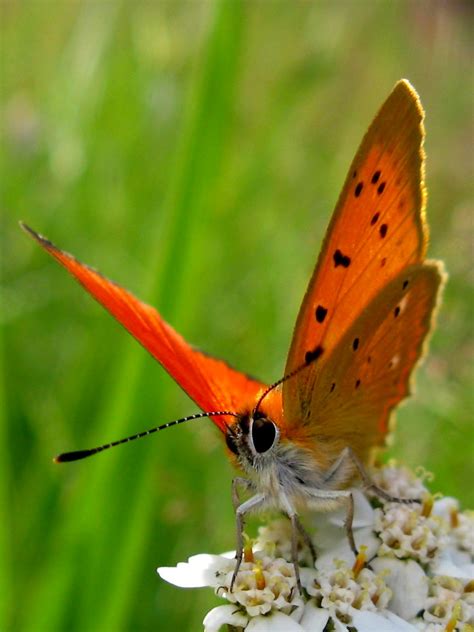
361, 329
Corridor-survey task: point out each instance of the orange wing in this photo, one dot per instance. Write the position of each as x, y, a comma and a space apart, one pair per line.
368, 373
377, 230
210, 382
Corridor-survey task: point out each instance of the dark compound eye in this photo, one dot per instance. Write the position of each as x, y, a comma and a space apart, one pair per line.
263, 435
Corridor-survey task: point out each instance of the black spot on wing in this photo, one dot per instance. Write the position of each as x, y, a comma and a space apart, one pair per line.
321, 313
355, 344
375, 177
341, 259
358, 189
313, 354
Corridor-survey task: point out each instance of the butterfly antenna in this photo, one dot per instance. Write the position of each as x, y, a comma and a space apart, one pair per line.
82, 454
285, 378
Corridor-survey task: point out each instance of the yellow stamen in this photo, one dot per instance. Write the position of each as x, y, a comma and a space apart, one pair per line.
360, 561
248, 551
454, 518
259, 576
451, 625
425, 475
427, 506
469, 587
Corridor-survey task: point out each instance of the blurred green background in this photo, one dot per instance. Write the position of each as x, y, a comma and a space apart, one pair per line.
192, 151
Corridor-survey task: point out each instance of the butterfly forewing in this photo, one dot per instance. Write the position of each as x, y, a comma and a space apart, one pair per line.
368, 372
376, 231
210, 382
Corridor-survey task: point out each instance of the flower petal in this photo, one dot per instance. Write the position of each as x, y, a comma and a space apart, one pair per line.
363, 512
222, 615
274, 622
408, 582
366, 621
454, 563
404, 626
314, 619
342, 551
338, 625
198, 571
444, 506
307, 576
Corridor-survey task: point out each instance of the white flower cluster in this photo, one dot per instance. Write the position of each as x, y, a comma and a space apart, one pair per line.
449, 600
414, 572
405, 533
263, 584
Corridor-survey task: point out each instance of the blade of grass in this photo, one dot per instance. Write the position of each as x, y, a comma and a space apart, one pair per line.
5, 502
210, 107
115, 558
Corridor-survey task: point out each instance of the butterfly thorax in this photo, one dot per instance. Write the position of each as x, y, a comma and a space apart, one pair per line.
278, 467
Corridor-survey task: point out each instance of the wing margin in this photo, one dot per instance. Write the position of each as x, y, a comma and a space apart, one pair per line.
210, 382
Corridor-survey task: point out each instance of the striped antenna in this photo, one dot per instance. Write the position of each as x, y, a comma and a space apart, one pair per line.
310, 358
82, 454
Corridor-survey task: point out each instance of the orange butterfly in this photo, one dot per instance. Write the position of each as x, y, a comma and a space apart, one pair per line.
360, 331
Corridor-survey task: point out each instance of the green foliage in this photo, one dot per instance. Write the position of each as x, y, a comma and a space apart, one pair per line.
194, 153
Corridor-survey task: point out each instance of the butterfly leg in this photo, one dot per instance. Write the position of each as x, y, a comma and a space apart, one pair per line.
375, 489
240, 483
348, 523
326, 494
241, 510
296, 529
305, 535
348, 458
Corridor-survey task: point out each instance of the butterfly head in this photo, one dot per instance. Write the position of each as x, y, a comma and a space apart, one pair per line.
280, 466
253, 438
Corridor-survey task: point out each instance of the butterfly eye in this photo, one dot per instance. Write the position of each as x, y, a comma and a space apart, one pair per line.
263, 434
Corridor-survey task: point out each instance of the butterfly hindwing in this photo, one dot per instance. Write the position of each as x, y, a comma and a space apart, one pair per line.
377, 230
368, 372
210, 382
